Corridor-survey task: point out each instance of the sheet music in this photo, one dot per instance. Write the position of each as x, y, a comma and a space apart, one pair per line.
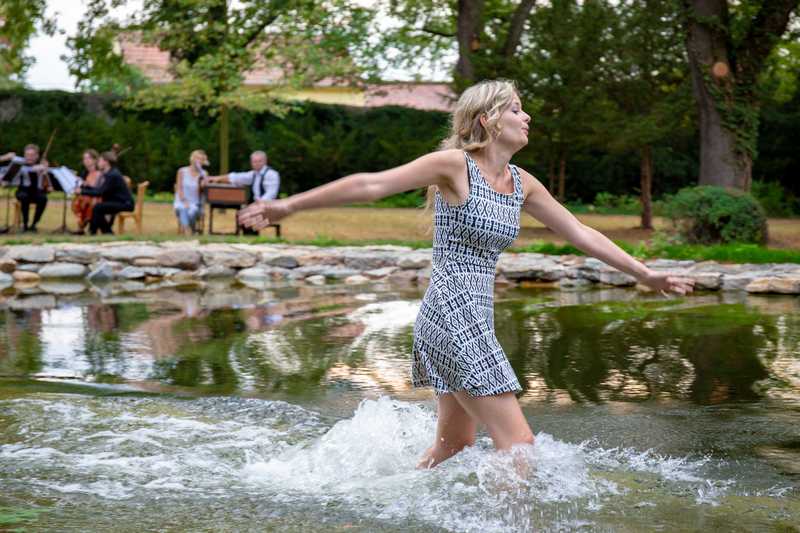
14, 165
67, 178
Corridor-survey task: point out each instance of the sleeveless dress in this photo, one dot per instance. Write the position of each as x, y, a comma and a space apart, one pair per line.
455, 347
191, 190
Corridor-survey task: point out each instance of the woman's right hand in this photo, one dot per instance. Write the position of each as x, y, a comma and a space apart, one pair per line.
262, 213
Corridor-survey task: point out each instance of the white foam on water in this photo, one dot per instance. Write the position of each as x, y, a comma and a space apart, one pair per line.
139, 448
369, 459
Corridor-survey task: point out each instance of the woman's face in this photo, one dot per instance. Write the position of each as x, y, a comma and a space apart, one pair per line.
89, 162
514, 125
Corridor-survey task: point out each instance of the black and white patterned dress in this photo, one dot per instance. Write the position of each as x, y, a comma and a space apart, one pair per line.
455, 347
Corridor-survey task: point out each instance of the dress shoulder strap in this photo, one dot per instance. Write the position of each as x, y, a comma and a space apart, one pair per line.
517, 181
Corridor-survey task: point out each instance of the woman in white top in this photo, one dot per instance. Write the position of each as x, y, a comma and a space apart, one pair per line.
188, 186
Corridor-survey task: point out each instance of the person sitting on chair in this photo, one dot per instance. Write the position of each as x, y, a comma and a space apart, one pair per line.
188, 187
82, 204
264, 180
34, 184
115, 196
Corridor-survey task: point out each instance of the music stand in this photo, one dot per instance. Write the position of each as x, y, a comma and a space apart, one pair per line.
56, 184
7, 179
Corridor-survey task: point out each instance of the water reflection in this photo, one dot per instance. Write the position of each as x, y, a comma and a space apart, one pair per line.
594, 346
625, 351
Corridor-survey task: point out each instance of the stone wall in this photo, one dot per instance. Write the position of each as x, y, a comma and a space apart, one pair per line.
77, 267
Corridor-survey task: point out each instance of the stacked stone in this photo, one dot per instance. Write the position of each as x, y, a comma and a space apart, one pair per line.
147, 264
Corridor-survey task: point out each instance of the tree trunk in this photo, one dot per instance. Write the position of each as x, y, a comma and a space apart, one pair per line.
551, 176
724, 78
647, 187
224, 140
721, 161
468, 29
562, 176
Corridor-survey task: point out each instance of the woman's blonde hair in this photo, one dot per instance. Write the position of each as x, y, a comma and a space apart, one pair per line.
489, 99
199, 155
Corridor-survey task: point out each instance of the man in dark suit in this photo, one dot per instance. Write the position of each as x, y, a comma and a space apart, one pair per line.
113, 192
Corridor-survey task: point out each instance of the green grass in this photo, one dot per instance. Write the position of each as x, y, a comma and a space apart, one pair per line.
728, 253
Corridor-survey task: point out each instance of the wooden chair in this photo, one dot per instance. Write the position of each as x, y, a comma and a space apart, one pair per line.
136, 215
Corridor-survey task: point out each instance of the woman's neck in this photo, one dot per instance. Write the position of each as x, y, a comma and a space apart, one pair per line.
493, 159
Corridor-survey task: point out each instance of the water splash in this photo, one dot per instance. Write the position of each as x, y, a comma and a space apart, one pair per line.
134, 449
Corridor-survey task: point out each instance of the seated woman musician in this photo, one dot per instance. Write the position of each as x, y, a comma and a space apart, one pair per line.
33, 185
114, 194
83, 204
188, 190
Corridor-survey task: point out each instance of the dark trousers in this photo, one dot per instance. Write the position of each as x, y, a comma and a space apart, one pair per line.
103, 216
27, 197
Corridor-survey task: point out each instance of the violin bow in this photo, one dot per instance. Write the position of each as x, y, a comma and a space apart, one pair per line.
49, 143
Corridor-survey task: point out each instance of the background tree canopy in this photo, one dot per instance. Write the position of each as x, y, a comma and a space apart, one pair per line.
630, 96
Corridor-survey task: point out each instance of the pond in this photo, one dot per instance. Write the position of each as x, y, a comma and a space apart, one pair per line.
290, 408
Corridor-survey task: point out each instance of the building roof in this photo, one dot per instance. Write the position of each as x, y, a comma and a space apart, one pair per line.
427, 96
154, 63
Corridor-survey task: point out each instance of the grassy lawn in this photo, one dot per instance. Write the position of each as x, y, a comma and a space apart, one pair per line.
386, 225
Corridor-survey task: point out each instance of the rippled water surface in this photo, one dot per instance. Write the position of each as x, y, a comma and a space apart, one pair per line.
289, 408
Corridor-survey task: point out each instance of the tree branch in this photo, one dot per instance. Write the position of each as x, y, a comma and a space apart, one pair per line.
766, 29
427, 29
517, 25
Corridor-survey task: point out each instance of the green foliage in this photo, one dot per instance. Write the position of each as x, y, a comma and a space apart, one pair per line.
621, 203
212, 44
20, 20
776, 201
309, 146
710, 215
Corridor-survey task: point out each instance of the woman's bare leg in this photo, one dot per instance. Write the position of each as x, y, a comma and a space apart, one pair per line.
502, 416
455, 429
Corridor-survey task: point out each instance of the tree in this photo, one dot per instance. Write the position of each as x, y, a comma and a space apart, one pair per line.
552, 51
20, 20
485, 34
728, 45
560, 69
213, 44
644, 75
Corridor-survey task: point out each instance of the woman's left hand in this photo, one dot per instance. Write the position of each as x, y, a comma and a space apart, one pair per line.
666, 282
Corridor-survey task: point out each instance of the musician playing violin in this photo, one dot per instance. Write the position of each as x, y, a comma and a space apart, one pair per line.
33, 185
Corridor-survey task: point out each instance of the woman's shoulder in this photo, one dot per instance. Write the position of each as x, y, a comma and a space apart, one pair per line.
451, 160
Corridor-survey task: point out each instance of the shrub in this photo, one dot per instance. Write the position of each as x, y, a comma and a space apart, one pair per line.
608, 203
710, 215
776, 201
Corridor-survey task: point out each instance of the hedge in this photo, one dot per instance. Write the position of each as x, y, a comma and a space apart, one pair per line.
317, 143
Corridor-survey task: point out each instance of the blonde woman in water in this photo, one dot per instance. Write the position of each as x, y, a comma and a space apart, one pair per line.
477, 196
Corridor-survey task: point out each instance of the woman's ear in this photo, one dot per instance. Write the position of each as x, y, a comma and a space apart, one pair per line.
483, 120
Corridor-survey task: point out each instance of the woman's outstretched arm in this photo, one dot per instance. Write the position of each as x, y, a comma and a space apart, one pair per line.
437, 168
540, 204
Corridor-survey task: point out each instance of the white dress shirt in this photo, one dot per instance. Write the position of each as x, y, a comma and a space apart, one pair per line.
265, 183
